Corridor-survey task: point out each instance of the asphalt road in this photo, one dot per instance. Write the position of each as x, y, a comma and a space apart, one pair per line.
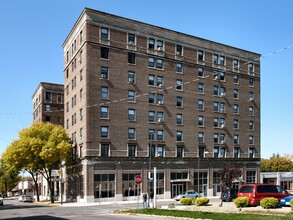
13, 209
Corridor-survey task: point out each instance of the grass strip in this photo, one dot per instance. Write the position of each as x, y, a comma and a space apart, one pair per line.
209, 215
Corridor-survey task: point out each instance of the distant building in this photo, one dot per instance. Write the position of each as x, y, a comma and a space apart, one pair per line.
48, 103
284, 179
139, 96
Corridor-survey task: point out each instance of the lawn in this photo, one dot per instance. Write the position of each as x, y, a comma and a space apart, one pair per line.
209, 215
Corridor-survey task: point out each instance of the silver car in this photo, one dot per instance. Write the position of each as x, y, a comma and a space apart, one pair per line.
188, 194
1, 200
25, 198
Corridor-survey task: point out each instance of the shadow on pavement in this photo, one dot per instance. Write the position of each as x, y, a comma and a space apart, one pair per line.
38, 217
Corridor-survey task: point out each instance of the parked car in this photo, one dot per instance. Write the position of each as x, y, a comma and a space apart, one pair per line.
230, 195
256, 192
188, 194
1, 199
25, 198
286, 201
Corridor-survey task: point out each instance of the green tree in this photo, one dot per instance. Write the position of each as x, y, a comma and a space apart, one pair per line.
276, 164
8, 178
40, 148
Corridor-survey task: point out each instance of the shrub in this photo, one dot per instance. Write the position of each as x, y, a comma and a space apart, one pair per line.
186, 201
201, 201
269, 203
291, 204
241, 202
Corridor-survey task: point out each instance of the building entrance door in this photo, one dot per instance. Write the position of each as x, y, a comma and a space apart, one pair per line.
177, 188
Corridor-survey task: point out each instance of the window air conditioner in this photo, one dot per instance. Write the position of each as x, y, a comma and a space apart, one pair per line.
222, 126
160, 120
160, 49
103, 76
160, 102
131, 43
178, 53
222, 94
131, 80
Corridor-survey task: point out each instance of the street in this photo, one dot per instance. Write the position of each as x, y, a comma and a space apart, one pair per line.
13, 209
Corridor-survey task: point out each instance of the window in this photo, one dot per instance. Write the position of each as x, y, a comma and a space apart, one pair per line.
222, 152
201, 152
200, 121
236, 152
251, 126
160, 64
179, 50
216, 138
216, 90
251, 152
251, 111
160, 135
251, 139
216, 59
216, 152
160, 99
104, 93
222, 76
104, 132
222, 122
251, 96
216, 106
236, 79
80, 37
179, 136
250, 68
48, 107
236, 94
131, 114
179, 84
222, 107
80, 94
80, 75
131, 150
160, 150
131, 39
180, 151
179, 67
236, 139
80, 56
200, 55
151, 62
236, 124
222, 60
222, 91
235, 63
151, 135
200, 88
131, 58
179, 101
200, 104
105, 150
236, 109
160, 45
104, 33
160, 81
200, 137
131, 133
151, 98
73, 83
131, 96
104, 112
179, 119
216, 122
222, 138
151, 43
48, 96
131, 77
151, 80
80, 114
251, 81
104, 53
80, 133
59, 98
151, 116
200, 71
67, 124
73, 101
160, 116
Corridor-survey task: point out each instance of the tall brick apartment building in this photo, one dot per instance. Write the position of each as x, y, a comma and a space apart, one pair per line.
138, 96
48, 103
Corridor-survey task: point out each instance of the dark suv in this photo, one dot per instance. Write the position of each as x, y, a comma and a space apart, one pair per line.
230, 195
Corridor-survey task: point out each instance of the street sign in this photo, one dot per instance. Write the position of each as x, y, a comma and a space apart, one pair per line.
138, 179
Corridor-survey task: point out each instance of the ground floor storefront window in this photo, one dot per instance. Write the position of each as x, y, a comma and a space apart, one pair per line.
250, 176
160, 183
104, 186
201, 182
129, 187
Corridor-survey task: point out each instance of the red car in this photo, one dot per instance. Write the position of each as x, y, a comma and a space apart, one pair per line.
258, 191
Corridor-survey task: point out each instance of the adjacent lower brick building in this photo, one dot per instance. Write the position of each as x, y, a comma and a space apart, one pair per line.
138, 96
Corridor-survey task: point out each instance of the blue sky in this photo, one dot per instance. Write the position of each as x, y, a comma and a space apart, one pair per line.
33, 31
